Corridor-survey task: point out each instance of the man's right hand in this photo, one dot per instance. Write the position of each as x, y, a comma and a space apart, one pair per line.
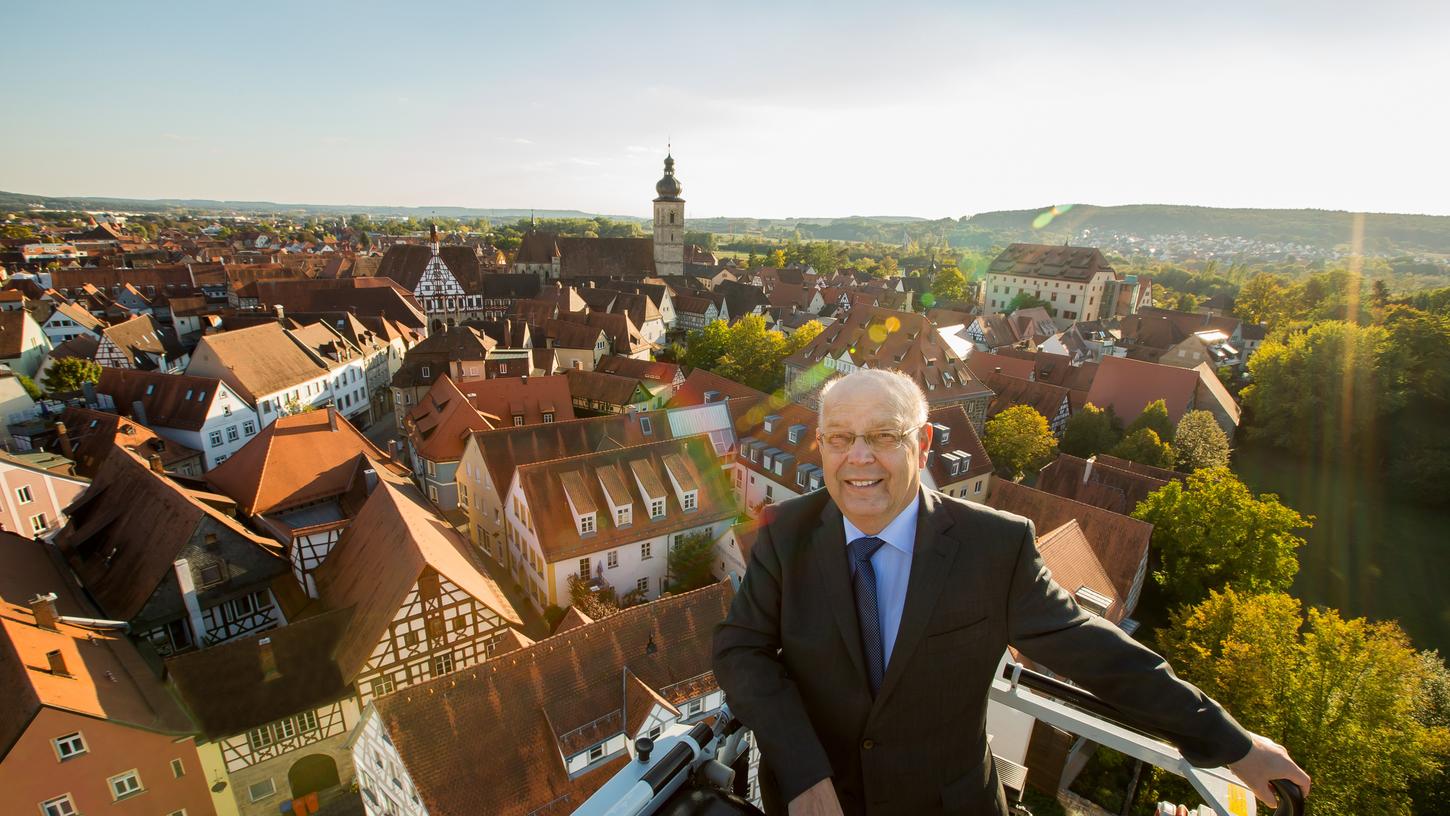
817, 800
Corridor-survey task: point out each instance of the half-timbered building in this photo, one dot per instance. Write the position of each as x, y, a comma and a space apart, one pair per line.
301, 481
575, 703
160, 556
142, 343
405, 600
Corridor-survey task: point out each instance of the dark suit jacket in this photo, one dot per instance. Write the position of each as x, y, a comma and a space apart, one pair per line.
788, 657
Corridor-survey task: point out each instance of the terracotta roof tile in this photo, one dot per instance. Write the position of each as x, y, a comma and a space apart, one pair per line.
1074, 565
261, 360
169, 400
487, 739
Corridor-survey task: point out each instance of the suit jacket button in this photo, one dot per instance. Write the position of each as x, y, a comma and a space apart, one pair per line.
867, 745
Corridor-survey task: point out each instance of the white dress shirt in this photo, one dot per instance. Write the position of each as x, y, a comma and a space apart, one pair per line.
892, 564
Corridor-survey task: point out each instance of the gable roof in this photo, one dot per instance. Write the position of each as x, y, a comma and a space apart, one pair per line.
1050, 261
92, 434
179, 401
439, 425
527, 397
378, 560
1100, 481
1120, 542
125, 531
108, 679
295, 460
12, 332
1130, 385
142, 334
506, 722
1074, 564
261, 360
699, 382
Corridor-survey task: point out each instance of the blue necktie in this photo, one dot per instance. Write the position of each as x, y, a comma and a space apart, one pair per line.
863, 581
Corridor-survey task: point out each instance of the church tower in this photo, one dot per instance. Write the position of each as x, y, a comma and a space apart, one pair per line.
669, 223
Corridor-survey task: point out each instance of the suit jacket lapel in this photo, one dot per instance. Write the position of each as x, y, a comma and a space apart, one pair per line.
828, 560
930, 567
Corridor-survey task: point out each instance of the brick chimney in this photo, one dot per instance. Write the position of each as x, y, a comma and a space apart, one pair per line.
66, 449
56, 660
268, 659
156, 466
43, 607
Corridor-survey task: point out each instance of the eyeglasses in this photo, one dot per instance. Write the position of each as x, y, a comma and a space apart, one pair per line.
881, 441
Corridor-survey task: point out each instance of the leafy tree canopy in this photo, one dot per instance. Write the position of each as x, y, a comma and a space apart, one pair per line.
1018, 439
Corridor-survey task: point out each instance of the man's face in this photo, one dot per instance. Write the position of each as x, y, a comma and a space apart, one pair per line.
870, 486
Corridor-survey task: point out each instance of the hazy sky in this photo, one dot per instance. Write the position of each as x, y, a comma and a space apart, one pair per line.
774, 109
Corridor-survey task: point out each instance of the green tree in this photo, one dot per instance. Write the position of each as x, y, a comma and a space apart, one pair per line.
1211, 532
705, 347
1018, 439
1026, 300
949, 284
754, 354
690, 562
598, 602
1265, 298
1321, 390
801, 337
1345, 697
1145, 447
1154, 416
1199, 442
1091, 431
65, 376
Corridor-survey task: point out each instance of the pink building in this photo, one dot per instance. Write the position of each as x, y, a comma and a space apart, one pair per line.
33, 500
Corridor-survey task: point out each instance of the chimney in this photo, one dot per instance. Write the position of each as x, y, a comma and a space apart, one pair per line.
43, 607
279, 311
138, 412
268, 660
392, 450
61, 436
331, 418
89, 389
156, 466
182, 568
57, 663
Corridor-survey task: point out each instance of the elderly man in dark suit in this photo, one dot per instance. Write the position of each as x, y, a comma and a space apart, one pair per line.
871, 619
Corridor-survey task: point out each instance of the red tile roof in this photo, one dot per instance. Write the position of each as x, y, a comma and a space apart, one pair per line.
92, 434
169, 400
296, 460
526, 397
504, 722
1128, 386
1050, 261
1099, 482
440, 424
1074, 565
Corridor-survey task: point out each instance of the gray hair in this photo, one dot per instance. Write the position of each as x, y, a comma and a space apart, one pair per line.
902, 392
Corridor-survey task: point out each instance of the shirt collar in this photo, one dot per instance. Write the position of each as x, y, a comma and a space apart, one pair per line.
899, 533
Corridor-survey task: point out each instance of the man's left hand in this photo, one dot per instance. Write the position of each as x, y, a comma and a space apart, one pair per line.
1268, 760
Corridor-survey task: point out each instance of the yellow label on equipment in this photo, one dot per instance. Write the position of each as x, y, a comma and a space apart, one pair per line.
1238, 801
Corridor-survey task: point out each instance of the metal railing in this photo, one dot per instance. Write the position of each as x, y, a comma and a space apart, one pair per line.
694, 769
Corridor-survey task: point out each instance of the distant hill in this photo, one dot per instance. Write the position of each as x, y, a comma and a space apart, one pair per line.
1383, 232
21, 201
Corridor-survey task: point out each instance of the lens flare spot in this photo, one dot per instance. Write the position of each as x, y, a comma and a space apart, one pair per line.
877, 333
1045, 218
893, 324
928, 299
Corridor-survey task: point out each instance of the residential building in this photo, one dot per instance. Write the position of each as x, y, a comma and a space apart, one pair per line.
193, 412
86, 437
662, 380
577, 702
595, 392
22, 342
490, 459
265, 366
872, 337
1073, 280
301, 481
32, 499
347, 366
438, 428
183, 574
67, 320
1103, 481
1128, 386
575, 345
626, 508
405, 601
956, 464
88, 727
142, 343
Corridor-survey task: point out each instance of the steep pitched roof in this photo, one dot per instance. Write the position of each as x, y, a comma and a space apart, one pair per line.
125, 531
143, 335
439, 425
1044, 397
1130, 385
961, 438
1050, 261
262, 360
507, 720
169, 400
92, 434
295, 460
1120, 542
1074, 564
690, 459
610, 389
700, 382
1100, 482
626, 257
12, 332
656, 372
108, 679
527, 397
390, 543
228, 691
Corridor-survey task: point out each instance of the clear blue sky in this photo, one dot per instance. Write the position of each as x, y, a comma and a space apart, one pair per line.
774, 109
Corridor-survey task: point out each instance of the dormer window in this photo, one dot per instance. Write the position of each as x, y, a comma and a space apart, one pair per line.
688, 501
423, 371
586, 524
656, 508
794, 434
622, 516
770, 422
